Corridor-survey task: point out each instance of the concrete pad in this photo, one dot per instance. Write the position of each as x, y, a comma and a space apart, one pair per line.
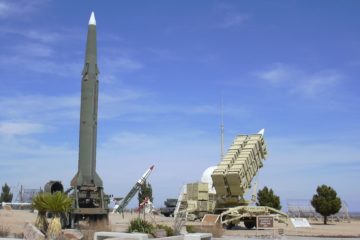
119, 235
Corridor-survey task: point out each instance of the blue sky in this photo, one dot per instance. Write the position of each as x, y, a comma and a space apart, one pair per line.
290, 67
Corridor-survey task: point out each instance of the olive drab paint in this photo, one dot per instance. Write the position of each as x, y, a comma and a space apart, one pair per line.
86, 174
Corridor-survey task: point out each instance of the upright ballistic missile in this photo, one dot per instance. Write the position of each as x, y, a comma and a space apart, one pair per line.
86, 174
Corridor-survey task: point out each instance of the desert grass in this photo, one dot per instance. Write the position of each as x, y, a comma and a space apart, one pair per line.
4, 231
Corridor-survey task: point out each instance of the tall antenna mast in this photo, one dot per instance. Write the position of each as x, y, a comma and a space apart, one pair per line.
222, 127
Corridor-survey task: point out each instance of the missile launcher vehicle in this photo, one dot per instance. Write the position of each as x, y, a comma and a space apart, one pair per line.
235, 172
227, 184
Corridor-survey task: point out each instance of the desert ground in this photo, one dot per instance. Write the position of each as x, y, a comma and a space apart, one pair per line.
14, 220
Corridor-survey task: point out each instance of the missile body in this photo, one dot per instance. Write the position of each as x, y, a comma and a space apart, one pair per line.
143, 178
125, 201
86, 174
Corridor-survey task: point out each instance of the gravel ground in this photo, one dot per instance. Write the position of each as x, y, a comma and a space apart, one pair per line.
14, 221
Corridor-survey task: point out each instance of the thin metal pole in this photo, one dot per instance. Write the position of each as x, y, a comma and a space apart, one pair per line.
222, 128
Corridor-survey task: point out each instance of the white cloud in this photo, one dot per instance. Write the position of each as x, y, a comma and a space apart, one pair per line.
144, 109
34, 50
39, 58
171, 153
40, 108
4, 8
120, 64
312, 152
43, 65
296, 166
20, 128
42, 36
122, 102
18, 8
297, 81
233, 20
318, 83
32, 163
34, 34
278, 74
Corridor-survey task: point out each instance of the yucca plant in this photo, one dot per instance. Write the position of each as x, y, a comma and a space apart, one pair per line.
57, 203
39, 203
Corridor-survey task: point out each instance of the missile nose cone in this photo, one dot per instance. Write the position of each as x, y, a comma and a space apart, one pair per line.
92, 20
261, 131
152, 167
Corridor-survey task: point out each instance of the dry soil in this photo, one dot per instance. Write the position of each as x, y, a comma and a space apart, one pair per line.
14, 221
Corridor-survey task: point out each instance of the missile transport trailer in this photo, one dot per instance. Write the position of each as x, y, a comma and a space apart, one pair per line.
227, 183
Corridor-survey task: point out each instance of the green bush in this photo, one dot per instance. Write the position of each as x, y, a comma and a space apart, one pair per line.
141, 226
169, 231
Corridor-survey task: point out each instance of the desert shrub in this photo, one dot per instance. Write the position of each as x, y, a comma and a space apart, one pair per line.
169, 231
39, 204
190, 229
57, 204
4, 231
141, 226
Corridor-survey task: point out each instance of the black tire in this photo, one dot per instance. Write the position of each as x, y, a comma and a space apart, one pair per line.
250, 223
229, 226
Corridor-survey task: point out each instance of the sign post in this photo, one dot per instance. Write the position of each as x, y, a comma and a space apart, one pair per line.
264, 222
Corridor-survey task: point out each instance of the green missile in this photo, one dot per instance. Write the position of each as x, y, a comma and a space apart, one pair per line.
86, 175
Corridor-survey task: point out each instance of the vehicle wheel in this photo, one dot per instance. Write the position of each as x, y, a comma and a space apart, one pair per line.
229, 226
250, 223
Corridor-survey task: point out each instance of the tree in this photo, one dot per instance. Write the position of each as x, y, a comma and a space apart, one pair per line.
145, 191
266, 197
326, 201
6, 196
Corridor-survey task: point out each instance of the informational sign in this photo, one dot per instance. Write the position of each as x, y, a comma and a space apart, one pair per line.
300, 222
265, 222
